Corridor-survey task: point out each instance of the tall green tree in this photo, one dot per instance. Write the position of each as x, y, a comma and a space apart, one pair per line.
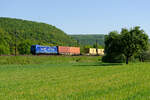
133, 41
112, 42
4, 39
24, 47
113, 48
128, 42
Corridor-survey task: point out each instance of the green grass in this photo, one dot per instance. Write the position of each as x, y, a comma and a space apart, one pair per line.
73, 79
28, 59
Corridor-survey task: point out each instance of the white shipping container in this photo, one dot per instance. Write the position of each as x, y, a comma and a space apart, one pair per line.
101, 51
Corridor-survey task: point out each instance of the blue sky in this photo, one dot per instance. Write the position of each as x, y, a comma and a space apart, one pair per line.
81, 16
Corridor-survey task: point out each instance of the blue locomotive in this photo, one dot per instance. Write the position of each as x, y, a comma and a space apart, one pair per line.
38, 49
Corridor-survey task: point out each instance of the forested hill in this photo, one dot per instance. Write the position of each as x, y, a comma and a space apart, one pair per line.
22, 32
89, 39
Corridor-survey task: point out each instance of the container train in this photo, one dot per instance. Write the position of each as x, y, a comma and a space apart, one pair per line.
63, 50
56, 50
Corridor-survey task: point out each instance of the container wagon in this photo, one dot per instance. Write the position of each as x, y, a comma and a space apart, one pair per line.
92, 51
74, 51
100, 51
63, 50
38, 49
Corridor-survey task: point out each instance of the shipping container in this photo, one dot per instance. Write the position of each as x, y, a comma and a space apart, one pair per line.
38, 49
75, 50
101, 51
64, 50
92, 51
68, 50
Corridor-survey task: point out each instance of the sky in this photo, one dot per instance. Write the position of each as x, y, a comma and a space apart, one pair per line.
81, 16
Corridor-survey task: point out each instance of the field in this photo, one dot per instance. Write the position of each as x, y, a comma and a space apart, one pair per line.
72, 78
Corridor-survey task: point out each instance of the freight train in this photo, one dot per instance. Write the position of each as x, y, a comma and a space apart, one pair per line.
63, 50
55, 50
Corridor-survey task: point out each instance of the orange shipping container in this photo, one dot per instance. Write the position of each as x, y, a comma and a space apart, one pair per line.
69, 50
74, 50
63, 50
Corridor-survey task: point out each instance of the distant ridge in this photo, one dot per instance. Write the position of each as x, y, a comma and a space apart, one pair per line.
89, 39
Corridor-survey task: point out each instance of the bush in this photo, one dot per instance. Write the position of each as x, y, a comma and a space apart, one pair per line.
113, 58
146, 56
4, 50
24, 47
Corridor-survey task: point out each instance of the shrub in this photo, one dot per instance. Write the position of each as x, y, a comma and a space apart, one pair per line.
4, 50
24, 47
113, 58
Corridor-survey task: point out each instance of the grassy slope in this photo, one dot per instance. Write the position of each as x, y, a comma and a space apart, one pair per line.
75, 80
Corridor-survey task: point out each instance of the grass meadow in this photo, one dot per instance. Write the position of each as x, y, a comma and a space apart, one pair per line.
72, 78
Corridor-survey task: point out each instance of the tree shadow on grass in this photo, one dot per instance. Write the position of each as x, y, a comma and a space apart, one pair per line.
100, 64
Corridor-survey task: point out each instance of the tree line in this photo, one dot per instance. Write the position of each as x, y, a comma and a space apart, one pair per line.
89, 39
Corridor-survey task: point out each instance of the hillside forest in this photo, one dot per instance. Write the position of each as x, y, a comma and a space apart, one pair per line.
17, 35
